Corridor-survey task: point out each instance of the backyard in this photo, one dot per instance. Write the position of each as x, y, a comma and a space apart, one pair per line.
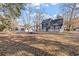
39, 44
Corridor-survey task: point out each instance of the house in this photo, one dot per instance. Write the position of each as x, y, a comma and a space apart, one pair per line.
50, 25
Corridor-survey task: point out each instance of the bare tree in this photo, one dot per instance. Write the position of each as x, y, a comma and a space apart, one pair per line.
69, 13
37, 21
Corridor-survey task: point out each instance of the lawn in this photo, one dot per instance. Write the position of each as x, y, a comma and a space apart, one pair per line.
39, 44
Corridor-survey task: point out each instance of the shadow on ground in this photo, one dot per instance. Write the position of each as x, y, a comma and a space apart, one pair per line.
10, 47
21, 46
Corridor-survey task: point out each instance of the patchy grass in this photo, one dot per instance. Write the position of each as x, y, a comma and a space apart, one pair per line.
40, 44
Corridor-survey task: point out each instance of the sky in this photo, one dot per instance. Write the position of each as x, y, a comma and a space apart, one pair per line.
51, 9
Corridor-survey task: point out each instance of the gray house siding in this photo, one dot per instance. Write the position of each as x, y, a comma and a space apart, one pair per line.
50, 25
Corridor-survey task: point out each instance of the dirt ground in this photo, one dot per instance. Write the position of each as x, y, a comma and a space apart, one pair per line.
39, 44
